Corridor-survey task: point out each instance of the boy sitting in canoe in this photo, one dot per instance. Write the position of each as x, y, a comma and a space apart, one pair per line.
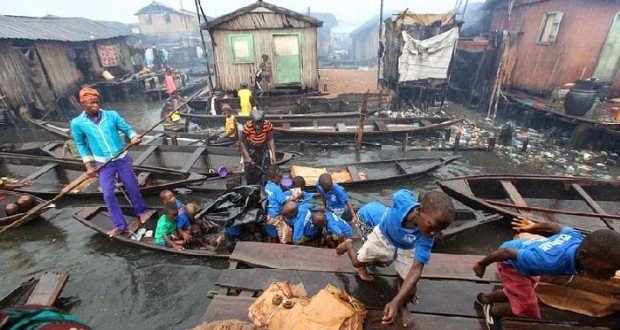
306, 226
275, 226
166, 232
405, 237
23, 204
369, 216
335, 199
168, 196
521, 262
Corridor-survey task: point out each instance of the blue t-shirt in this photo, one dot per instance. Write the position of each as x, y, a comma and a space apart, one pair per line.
337, 226
406, 238
234, 231
183, 220
336, 199
303, 228
552, 256
275, 199
372, 213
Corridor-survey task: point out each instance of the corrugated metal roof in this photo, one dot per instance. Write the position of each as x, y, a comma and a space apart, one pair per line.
72, 29
260, 4
158, 8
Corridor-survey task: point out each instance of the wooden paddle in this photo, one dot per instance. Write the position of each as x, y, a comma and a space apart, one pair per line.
68, 188
359, 135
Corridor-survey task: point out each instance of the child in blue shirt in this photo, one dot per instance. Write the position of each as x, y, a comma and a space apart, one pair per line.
405, 236
306, 227
337, 229
297, 190
275, 226
369, 216
335, 199
521, 262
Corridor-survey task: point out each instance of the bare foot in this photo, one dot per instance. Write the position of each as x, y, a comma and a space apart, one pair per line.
144, 217
406, 318
343, 247
113, 232
363, 274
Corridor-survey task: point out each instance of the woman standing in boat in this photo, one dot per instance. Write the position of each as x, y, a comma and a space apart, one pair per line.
96, 135
258, 148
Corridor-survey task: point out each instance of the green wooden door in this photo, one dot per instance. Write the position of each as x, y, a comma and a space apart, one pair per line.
609, 60
287, 61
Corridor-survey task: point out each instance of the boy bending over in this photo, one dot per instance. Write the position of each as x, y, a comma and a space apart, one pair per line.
521, 262
406, 237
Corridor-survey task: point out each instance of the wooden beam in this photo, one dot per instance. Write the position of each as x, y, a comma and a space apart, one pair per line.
595, 207
42, 170
425, 122
381, 126
355, 175
143, 156
515, 197
192, 160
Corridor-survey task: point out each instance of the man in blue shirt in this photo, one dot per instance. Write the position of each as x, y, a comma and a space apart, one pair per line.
521, 262
96, 135
335, 199
406, 237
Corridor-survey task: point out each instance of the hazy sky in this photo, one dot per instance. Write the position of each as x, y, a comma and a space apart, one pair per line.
123, 10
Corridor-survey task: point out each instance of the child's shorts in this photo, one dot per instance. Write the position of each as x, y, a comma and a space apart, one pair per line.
520, 291
276, 227
378, 248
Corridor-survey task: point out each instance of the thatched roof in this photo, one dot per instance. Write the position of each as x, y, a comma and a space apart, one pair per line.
70, 29
258, 5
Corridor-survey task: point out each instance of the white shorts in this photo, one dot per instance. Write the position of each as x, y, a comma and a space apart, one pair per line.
378, 248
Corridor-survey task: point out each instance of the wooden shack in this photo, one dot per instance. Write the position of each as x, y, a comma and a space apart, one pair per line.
289, 39
45, 59
418, 52
555, 42
157, 19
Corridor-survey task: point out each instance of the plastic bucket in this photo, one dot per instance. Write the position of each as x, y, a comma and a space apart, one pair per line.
287, 182
222, 171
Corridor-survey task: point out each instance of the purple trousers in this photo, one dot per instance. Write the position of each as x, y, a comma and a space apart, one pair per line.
122, 170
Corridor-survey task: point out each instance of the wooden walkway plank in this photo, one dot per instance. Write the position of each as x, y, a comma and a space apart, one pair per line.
48, 288
281, 256
355, 174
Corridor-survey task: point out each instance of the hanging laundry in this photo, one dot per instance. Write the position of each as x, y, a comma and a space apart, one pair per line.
424, 59
107, 56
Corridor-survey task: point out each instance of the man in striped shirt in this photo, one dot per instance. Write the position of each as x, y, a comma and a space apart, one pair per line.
258, 148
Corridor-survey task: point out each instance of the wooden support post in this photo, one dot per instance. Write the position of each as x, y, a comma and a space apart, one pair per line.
406, 143
175, 141
526, 141
359, 136
491, 145
457, 141
448, 134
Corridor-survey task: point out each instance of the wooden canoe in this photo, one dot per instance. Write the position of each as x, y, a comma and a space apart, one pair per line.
51, 175
40, 290
583, 203
7, 197
97, 218
180, 158
355, 175
367, 173
61, 130
217, 121
374, 128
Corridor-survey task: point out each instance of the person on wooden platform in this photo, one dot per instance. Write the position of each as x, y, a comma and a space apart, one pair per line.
369, 216
96, 134
166, 233
258, 148
245, 99
230, 126
335, 198
404, 237
521, 262
307, 228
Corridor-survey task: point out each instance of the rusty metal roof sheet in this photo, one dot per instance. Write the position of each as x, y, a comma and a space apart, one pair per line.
70, 29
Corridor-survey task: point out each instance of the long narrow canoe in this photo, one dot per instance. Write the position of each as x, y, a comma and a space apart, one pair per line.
97, 218
374, 128
360, 174
183, 159
51, 175
40, 290
583, 203
7, 197
216, 121
61, 130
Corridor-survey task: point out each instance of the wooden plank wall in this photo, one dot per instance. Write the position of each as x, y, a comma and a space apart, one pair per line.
61, 70
230, 75
582, 33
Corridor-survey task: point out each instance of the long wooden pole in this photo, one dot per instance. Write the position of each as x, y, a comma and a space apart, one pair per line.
380, 42
359, 135
542, 209
68, 188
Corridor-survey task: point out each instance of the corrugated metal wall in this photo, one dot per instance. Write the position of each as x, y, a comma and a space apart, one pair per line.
583, 30
61, 70
230, 75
